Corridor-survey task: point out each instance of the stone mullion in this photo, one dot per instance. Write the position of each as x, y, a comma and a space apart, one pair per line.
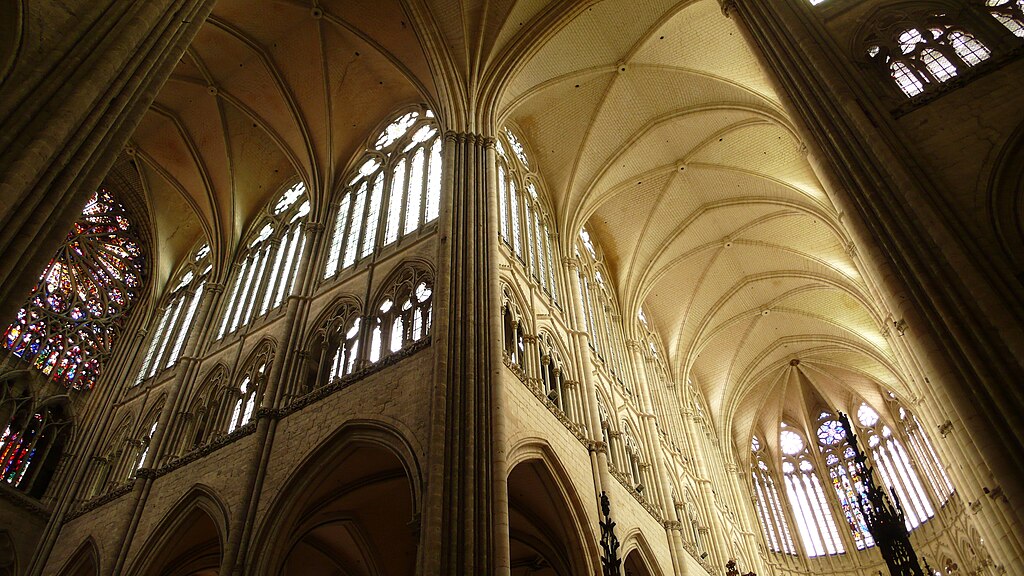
56, 158
959, 338
465, 513
638, 365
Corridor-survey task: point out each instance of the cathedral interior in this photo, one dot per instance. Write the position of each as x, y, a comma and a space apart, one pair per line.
375, 287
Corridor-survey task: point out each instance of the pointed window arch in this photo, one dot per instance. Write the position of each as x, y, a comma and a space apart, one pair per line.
814, 520
1009, 13
72, 319
403, 313
173, 323
249, 394
267, 264
774, 525
599, 309
844, 476
395, 191
524, 221
925, 455
932, 50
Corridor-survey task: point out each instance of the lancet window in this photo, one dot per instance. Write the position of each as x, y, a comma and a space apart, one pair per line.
33, 437
395, 191
844, 476
926, 456
552, 373
73, 316
927, 54
814, 520
635, 463
893, 463
249, 394
770, 513
268, 261
523, 217
603, 327
175, 319
513, 335
402, 314
1009, 13
207, 409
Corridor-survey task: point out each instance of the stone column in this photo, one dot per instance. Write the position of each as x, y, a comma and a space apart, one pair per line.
84, 76
962, 312
465, 512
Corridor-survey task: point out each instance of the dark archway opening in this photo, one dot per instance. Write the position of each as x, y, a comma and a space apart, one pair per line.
542, 538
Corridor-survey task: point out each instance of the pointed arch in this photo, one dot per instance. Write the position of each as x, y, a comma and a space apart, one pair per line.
365, 469
333, 346
189, 539
638, 558
84, 562
548, 524
402, 312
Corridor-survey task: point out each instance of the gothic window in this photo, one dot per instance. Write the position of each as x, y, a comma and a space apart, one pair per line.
806, 497
1009, 13
206, 409
606, 431
634, 458
32, 440
174, 321
337, 344
769, 508
249, 394
931, 52
395, 191
926, 456
403, 313
146, 441
552, 372
893, 462
843, 473
523, 217
603, 327
267, 264
68, 327
513, 335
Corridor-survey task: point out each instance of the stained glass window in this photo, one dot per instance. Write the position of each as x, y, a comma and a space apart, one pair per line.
524, 223
846, 480
395, 191
921, 57
268, 263
173, 323
73, 316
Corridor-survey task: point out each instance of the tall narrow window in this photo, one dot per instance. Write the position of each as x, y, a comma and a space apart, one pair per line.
926, 456
403, 313
814, 520
846, 480
523, 215
249, 393
74, 314
174, 323
395, 191
269, 262
770, 513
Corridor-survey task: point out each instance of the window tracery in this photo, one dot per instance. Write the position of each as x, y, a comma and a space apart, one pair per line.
249, 394
925, 455
395, 191
893, 462
922, 53
770, 513
806, 497
32, 440
73, 316
845, 478
523, 217
268, 263
1009, 13
337, 344
174, 322
513, 335
207, 409
599, 310
402, 315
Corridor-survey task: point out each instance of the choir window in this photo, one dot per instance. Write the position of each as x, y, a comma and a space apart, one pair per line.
845, 478
73, 316
174, 320
395, 191
806, 497
524, 224
769, 508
